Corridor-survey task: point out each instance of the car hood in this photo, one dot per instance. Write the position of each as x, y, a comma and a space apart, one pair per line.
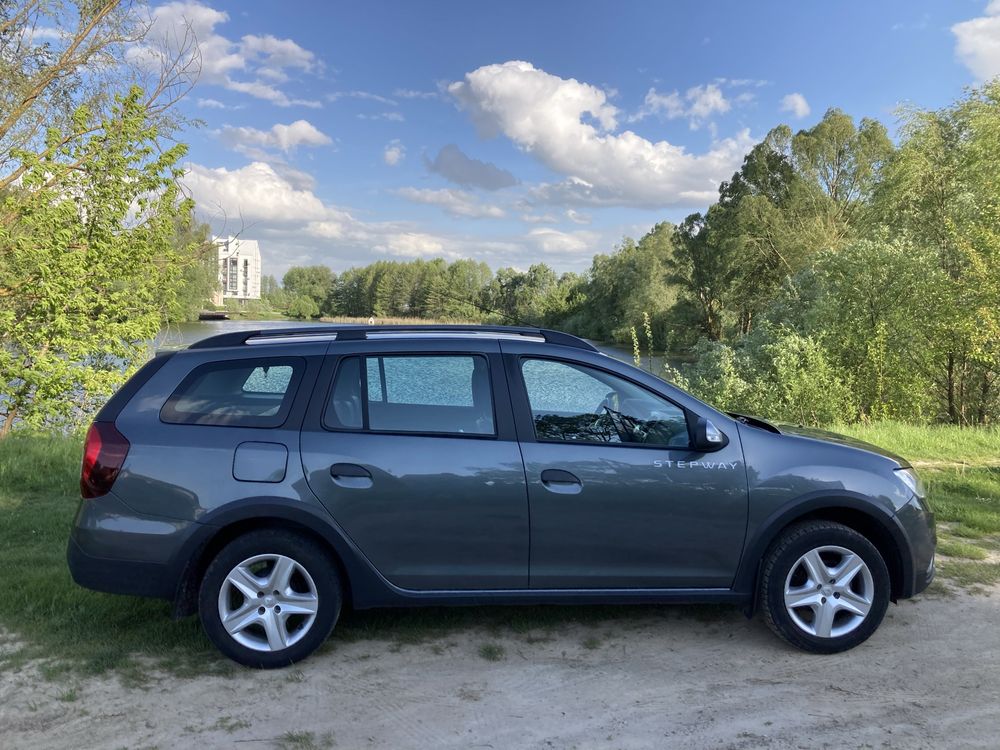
817, 434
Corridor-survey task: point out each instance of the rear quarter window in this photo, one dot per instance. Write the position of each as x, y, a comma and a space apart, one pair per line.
238, 393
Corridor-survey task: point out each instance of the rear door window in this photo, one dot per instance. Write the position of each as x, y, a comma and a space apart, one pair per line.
436, 394
239, 393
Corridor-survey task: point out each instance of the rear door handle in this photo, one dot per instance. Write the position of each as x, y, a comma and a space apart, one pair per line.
561, 481
351, 476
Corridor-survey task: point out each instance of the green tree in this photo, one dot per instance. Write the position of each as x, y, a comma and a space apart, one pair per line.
303, 307
315, 282
88, 264
704, 271
198, 264
941, 192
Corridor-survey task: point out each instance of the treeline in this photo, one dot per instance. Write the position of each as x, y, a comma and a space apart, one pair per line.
837, 276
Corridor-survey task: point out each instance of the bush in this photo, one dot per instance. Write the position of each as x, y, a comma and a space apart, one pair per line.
775, 373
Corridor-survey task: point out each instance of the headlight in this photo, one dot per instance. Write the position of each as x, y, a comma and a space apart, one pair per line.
909, 478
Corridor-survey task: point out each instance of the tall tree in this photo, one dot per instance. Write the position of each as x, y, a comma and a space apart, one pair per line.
314, 282
941, 191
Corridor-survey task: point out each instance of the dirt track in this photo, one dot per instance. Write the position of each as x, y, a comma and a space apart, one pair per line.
930, 677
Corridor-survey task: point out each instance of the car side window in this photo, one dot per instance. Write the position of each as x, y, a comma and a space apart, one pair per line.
240, 393
445, 394
579, 404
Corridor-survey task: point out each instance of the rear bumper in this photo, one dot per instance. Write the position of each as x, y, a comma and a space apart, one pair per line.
114, 549
119, 576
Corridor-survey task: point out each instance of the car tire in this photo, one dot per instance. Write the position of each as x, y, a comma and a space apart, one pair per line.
248, 583
824, 587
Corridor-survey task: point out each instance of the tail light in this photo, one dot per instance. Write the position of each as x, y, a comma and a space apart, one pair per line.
103, 455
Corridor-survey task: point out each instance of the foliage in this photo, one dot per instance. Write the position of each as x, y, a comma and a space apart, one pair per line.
775, 373
93, 52
303, 306
313, 283
88, 265
197, 260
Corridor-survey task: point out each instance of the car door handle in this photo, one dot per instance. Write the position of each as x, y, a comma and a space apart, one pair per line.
563, 482
351, 476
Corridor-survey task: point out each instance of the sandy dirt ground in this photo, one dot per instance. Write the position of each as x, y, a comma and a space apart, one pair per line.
675, 677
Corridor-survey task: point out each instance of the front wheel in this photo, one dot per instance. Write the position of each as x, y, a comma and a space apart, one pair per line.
824, 587
269, 598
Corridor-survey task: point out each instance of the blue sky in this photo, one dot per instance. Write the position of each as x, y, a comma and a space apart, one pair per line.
524, 131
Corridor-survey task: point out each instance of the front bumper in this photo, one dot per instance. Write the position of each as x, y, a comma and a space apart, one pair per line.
921, 533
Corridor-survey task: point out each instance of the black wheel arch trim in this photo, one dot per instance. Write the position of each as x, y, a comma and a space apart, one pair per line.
807, 505
363, 579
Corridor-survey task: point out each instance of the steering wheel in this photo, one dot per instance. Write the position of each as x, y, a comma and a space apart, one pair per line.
605, 412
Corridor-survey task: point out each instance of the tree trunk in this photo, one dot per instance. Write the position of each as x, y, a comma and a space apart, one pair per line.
952, 414
8, 422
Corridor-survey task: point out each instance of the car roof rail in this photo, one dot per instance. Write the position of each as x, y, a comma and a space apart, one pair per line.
351, 332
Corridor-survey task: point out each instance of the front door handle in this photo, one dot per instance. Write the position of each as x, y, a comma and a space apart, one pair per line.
351, 476
561, 481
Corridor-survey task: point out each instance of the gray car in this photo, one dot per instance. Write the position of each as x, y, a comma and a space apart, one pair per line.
266, 479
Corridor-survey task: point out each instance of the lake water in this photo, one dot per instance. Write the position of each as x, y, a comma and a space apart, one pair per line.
183, 334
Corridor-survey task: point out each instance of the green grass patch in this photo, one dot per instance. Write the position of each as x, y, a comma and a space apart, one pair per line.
54, 618
969, 498
934, 444
970, 574
956, 548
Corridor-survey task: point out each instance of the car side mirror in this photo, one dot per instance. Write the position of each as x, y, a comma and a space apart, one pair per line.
708, 437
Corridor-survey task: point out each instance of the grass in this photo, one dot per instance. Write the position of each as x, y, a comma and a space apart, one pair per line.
304, 741
957, 548
492, 652
943, 445
72, 630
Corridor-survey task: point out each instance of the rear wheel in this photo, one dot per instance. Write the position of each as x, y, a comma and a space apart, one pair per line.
824, 587
269, 598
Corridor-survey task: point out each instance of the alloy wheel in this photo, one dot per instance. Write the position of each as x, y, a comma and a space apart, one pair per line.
268, 602
829, 592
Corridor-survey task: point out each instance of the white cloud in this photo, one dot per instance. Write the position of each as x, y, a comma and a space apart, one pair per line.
455, 202
284, 137
390, 116
977, 42
577, 217
279, 54
415, 94
551, 240
44, 32
275, 203
706, 101
235, 65
796, 104
414, 245
255, 192
531, 218
206, 103
365, 95
669, 106
570, 127
394, 152
697, 105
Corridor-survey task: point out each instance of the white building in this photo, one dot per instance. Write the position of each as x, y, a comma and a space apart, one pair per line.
239, 270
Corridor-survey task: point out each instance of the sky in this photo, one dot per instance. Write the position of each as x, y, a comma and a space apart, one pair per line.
519, 132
